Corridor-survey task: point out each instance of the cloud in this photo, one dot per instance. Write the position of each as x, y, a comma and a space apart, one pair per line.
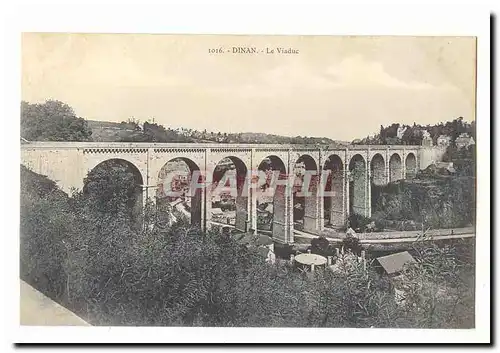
281, 80
296, 75
355, 71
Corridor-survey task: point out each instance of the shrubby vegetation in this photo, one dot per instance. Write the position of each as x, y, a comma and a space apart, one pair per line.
440, 203
439, 287
436, 198
52, 121
90, 256
414, 133
153, 132
359, 222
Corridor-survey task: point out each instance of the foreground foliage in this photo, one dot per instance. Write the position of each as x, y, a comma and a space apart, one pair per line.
90, 256
52, 121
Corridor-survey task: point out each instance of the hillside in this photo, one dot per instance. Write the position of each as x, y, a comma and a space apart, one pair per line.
106, 131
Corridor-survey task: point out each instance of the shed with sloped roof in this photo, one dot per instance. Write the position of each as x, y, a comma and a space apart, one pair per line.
394, 263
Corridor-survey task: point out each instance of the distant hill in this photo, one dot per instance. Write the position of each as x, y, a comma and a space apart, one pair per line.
106, 131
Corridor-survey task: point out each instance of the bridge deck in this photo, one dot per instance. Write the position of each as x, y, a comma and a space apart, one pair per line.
397, 237
73, 145
389, 237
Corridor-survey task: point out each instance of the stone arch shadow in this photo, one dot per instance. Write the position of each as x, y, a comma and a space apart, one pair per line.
357, 186
240, 194
305, 194
334, 203
103, 172
177, 192
279, 224
395, 168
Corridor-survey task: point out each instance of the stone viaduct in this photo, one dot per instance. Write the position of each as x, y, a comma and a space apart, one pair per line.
354, 169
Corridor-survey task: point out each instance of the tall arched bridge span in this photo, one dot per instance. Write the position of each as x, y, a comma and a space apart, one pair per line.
352, 171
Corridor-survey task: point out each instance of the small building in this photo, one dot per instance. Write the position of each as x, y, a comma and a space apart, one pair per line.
443, 140
464, 141
445, 167
217, 212
426, 139
393, 264
401, 131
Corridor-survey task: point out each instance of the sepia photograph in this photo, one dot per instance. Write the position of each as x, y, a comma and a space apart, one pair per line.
248, 181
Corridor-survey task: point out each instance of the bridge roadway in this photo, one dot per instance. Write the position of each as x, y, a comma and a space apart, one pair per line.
400, 237
391, 237
353, 169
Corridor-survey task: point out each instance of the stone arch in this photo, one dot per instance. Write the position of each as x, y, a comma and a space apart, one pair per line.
177, 192
378, 176
333, 172
411, 166
273, 218
377, 168
136, 200
395, 168
232, 171
357, 186
305, 194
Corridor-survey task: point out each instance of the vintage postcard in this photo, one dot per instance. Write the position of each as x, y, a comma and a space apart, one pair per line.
242, 181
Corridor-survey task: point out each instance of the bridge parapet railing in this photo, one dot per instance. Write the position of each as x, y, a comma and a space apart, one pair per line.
77, 145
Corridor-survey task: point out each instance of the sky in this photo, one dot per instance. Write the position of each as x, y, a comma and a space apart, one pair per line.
339, 87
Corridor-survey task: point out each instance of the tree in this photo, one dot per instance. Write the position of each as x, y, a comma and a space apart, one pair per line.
321, 246
133, 124
439, 287
111, 191
52, 121
46, 220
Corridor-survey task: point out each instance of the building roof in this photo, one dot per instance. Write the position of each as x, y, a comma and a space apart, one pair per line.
445, 165
175, 202
394, 263
217, 211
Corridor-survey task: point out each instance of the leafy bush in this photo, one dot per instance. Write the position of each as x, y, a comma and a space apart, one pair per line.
443, 203
439, 288
322, 246
359, 222
89, 257
46, 221
351, 243
52, 121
